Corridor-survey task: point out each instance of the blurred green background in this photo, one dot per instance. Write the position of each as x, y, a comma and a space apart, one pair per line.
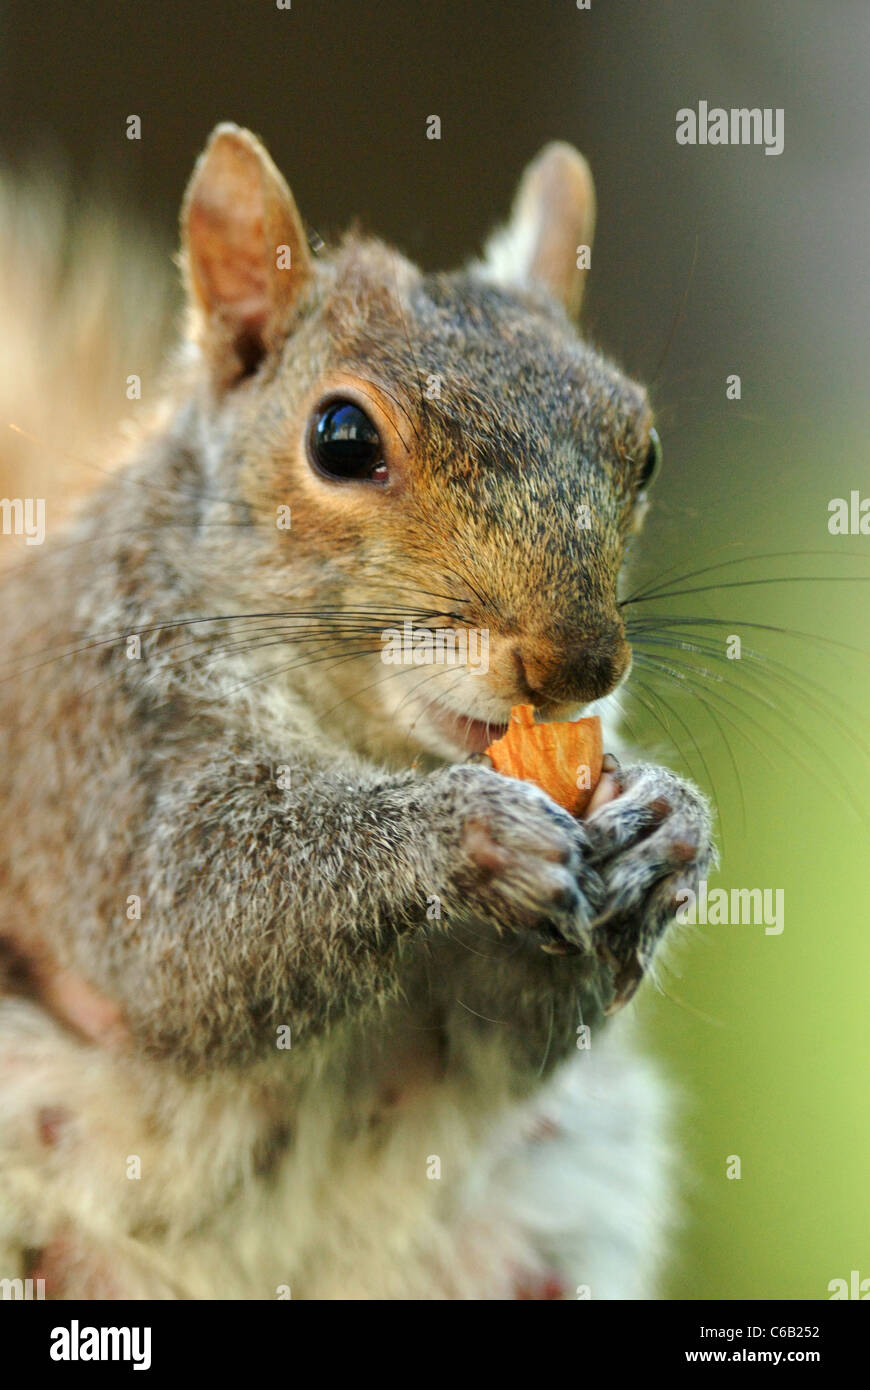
708, 261
767, 1036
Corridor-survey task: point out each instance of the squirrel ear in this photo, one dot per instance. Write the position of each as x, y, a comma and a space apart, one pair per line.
244, 251
549, 235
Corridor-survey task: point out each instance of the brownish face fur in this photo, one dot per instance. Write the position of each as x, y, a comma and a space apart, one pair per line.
456, 533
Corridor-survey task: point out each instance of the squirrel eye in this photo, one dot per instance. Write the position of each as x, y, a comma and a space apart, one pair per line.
344, 444
653, 461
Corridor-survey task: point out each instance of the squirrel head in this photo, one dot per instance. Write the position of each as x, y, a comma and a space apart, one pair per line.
418, 453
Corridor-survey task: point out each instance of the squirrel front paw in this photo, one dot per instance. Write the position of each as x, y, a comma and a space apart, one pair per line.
518, 859
648, 844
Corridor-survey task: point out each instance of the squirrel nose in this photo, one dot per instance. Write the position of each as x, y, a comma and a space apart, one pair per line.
581, 670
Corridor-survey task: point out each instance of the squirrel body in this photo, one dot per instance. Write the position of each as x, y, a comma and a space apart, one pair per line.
280, 941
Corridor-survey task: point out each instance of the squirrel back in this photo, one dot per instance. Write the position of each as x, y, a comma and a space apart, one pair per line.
88, 303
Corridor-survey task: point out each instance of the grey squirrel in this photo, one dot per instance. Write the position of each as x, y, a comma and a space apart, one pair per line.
278, 1018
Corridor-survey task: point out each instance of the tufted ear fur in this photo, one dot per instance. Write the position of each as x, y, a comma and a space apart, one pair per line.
553, 216
244, 252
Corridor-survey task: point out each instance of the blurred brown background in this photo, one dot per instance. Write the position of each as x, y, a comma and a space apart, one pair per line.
340, 90
766, 1035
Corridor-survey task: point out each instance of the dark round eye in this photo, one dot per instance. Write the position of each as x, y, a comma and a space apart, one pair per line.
345, 445
653, 460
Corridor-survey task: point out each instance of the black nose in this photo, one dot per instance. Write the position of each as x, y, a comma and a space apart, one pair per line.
579, 670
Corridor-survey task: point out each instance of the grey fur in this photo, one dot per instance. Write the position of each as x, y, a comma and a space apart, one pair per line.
308, 905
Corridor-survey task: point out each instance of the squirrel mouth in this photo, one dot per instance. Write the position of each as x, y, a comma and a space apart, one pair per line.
474, 735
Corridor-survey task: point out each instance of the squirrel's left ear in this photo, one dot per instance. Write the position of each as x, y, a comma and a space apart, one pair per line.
244, 252
549, 235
